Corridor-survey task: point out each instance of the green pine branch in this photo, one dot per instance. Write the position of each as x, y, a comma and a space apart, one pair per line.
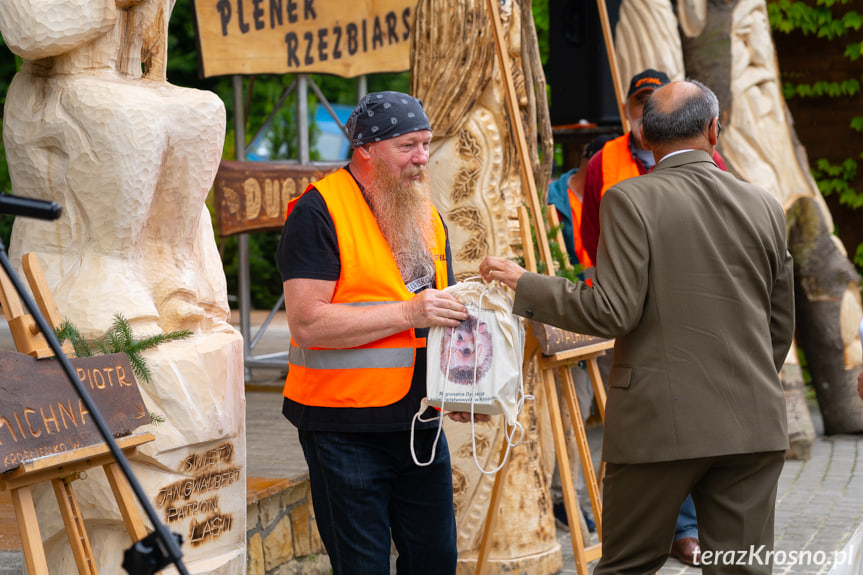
119, 339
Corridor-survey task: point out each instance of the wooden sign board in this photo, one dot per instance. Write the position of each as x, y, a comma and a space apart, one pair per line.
554, 340
254, 196
41, 413
303, 36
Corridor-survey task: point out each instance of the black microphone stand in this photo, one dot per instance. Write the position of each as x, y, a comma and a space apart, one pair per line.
161, 547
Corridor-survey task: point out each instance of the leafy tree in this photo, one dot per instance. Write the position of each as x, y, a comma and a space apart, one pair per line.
828, 23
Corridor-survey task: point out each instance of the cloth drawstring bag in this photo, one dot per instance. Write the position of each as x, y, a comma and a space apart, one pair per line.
477, 366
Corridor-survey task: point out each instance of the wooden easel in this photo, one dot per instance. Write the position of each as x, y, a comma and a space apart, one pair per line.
561, 364
61, 468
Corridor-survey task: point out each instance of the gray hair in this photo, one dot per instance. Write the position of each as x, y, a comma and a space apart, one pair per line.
687, 119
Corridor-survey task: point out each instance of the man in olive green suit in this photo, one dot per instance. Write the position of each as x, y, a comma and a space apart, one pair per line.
694, 281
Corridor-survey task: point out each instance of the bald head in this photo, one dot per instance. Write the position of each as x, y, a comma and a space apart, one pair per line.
681, 115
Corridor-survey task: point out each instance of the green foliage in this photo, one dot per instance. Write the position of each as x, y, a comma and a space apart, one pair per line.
790, 15
118, 339
837, 179
795, 15
559, 258
849, 87
854, 50
541, 23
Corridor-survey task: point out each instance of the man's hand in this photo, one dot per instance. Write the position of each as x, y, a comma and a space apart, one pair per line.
464, 416
434, 307
502, 270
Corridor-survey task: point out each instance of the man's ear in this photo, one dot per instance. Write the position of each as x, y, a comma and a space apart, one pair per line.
713, 131
364, 152
644, 141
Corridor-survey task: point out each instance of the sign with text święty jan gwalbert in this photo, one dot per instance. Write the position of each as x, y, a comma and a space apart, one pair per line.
345, 38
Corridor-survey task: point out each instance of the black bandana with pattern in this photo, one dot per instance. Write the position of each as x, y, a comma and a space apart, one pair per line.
383, 115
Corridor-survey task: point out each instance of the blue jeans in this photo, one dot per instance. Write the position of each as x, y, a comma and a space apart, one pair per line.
686, 526
366, 489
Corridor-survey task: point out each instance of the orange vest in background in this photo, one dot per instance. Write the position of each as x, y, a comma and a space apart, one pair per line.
378, 373
617, 163
580, 252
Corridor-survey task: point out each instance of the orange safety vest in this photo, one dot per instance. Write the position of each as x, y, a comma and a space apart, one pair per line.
617, 163
378, 373
580, 252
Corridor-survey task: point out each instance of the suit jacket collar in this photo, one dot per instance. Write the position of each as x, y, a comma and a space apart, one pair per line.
683, 158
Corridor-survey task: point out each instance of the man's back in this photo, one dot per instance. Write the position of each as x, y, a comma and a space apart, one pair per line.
703, 309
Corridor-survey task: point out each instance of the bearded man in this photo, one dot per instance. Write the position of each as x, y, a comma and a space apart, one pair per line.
363, 257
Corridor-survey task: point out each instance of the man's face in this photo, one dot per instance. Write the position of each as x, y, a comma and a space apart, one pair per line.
634, 108
406, 156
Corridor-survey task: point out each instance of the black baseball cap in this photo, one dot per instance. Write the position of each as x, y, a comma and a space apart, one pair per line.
596, 144
650, 78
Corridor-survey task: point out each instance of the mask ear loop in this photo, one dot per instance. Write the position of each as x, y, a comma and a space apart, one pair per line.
424, 406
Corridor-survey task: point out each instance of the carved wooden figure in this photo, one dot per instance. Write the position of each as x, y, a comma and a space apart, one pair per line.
477, 188
92, 123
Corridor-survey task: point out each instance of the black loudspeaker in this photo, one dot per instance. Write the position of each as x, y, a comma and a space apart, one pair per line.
578, 70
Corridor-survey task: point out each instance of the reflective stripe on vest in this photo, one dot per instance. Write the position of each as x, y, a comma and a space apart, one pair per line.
380, 372
350, 358
617, 163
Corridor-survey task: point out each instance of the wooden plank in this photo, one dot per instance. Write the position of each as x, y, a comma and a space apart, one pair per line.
491, 516
526, 242
571, 356
125, 501
75, 530
25, 510
526, 169
41, 292
565, 373
46, 468
612, 62
22, 326
254, 196
41, 413
343, 38
554, 340
564, 470
598, 387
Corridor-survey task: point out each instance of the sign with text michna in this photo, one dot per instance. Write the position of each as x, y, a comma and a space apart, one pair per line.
345, 38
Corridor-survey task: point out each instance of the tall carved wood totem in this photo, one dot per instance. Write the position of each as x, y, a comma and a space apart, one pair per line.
92, 123
477, 188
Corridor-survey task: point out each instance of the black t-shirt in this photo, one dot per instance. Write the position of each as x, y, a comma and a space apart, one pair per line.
309, 249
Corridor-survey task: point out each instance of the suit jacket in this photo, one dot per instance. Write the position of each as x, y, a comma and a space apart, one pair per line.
694, 280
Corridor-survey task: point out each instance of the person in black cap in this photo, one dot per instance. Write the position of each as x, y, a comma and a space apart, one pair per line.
363, 257
622, 158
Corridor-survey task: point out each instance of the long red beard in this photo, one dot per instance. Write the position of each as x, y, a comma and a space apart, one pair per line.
402, 207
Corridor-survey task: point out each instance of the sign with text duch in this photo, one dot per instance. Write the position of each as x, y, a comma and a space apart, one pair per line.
303, 36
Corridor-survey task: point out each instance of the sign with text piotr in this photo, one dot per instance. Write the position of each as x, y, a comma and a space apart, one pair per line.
303, 36
41, 413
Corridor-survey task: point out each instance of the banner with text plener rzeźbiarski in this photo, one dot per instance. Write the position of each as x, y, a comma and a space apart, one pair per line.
345, 38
